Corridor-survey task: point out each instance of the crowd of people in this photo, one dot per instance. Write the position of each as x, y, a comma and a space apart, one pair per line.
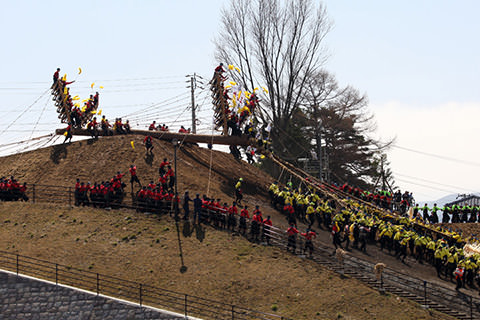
103, 195
354, 225
70, 111
232, 217
12, 190
404, 204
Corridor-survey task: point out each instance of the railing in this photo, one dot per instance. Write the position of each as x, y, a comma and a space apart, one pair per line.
433, 293
187, 305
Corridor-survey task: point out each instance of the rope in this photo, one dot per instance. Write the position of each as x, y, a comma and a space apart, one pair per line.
39, 117
24, 141
281, 173
211, 160
24, 111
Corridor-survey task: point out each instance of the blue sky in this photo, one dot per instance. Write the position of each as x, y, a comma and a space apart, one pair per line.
416, 60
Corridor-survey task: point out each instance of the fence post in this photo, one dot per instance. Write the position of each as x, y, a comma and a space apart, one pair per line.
140, 294
33, 191
17, 265
233, 312
186, 313
70, 196
425, 292
98, 284
56, 273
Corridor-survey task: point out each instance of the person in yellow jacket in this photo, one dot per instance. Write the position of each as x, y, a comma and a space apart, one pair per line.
452, 260
403, 248
429, 255
310, 214
438, 256
470, 270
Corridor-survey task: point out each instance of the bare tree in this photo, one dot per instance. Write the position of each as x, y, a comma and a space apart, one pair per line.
278, 44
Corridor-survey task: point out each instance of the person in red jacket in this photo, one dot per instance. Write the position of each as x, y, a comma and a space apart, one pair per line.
242, 228
56, 76
267, 224
309, 235
257, 221
68, 133
292, 235
152, 126
133, 176
163, 165
148, 144
231, 219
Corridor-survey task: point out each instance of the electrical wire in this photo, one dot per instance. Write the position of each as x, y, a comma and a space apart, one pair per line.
471, 163
433, 182
23, 112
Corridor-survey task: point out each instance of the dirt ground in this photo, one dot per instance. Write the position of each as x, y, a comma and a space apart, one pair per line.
223, 267
219, 266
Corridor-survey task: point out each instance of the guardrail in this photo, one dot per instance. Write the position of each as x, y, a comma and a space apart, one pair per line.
143, 294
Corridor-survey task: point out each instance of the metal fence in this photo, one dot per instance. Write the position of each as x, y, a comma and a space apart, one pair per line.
143, 294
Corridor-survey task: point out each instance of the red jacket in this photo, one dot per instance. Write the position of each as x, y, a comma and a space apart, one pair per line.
292, 231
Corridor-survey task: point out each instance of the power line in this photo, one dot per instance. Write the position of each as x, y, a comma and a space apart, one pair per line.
436, 183
471, 163
426, 186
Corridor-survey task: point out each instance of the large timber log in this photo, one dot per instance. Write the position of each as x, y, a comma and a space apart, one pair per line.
169, 136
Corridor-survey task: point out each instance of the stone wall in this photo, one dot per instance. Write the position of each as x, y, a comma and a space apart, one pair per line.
24, 297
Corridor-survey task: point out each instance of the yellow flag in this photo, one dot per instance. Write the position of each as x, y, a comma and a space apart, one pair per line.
64, 78
238, 70
133, 146
101, 87
83, 108
79, 70
230, 66
93, 112
233, 83
265, 89
77, 105
256, 88
76, 98
99, 112
91, 86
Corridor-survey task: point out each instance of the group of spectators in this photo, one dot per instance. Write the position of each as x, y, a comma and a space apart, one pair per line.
103, 195
107, 129
12, 190
385, 199
230, 217
69, 111
357, 224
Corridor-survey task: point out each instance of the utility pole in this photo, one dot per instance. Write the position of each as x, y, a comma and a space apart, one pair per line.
193, 86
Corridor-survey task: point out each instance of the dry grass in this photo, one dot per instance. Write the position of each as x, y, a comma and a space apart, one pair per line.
220, 266
143, 248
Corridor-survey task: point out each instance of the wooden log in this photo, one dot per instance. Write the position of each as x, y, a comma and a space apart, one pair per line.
169, 136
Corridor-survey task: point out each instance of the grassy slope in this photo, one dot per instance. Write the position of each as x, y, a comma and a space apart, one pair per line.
220, 266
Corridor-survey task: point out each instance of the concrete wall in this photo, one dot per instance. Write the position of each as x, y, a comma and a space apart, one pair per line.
23, 297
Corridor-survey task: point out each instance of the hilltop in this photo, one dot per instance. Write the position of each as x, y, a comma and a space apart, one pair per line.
99, 160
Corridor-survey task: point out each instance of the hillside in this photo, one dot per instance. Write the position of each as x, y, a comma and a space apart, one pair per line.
219, 266
99, 160
144, 248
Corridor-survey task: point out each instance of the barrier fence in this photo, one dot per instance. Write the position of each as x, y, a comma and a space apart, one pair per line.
434, 295
143, 294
